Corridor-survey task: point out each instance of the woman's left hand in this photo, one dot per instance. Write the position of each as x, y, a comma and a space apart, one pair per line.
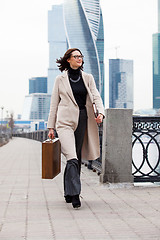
99, 119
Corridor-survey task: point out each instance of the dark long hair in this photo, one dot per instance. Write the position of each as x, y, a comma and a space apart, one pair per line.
62, 61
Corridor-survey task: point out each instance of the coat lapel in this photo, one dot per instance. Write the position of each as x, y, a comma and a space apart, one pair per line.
65, 81
66, 84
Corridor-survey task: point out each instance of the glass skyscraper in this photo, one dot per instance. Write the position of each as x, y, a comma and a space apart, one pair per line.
37, 103
156, 64
36, 106
83, 25
120, 83
38, 85
57, 42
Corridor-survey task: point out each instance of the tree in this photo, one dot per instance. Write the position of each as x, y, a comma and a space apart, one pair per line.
11, 123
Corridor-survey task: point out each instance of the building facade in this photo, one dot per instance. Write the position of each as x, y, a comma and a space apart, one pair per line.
38, 85
57, 42
83, 29
36, 106
156, 64
37, 103
120, 83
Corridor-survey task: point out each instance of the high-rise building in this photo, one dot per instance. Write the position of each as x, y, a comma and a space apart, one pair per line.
57, 42
156, 64
120, 83
82, 27
37, 103
159, 16
38, 85
36, 106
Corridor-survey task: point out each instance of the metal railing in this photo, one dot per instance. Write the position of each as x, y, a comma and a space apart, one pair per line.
146, 149
40, 135
4, 138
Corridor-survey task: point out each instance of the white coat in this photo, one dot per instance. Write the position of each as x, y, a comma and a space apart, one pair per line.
64, 116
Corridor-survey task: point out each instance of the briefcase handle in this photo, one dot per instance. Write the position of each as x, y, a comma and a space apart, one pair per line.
49, 140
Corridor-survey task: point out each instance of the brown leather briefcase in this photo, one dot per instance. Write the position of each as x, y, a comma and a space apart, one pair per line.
51, 158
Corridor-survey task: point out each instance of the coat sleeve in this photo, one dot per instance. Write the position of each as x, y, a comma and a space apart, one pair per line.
96, 95
55, 99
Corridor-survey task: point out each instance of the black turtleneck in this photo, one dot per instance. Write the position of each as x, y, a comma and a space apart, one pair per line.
78, 88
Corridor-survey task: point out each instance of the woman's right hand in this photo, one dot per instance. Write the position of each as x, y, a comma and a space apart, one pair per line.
51, 133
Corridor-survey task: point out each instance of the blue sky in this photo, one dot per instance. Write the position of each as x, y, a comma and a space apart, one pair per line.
128, 24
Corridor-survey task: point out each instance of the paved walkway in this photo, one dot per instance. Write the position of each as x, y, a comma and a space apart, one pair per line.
34, 209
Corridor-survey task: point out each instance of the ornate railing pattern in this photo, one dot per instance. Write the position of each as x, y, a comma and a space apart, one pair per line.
146, 149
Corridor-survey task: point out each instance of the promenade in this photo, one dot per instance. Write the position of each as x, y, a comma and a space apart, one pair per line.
34, 209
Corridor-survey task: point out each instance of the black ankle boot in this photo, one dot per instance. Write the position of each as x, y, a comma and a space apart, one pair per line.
68, 199
76, 201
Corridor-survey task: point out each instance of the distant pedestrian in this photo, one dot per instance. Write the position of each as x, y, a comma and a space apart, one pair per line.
72, 116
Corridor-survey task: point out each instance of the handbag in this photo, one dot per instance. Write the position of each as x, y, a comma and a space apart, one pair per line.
51, 158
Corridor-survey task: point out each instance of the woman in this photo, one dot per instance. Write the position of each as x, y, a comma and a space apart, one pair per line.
72, 116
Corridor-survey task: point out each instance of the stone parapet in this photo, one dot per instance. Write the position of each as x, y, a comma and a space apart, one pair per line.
117, 146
